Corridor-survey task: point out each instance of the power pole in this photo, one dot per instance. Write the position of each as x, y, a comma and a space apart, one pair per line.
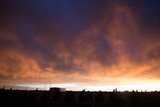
44, 86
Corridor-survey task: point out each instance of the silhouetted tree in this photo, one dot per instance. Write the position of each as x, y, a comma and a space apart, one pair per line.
115, 90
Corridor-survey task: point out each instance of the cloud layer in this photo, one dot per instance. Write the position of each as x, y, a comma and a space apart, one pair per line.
76, 41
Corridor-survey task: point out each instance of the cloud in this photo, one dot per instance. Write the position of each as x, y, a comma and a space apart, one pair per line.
88, 40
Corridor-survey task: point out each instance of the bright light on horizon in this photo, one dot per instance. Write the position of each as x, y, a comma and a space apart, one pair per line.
140, 86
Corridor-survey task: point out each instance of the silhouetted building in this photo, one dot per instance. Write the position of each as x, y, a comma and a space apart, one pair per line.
56, 89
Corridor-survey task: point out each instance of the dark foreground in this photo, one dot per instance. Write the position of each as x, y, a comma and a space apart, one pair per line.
17, 98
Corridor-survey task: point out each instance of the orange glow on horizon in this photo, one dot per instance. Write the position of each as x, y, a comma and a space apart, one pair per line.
111, 47
137, 85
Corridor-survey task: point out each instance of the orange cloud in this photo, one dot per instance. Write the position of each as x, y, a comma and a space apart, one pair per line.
111, 48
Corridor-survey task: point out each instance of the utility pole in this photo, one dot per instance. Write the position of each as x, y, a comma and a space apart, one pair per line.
44, 86
27, 87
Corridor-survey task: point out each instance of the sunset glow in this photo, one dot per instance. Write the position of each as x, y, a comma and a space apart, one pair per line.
80, 44
130, 86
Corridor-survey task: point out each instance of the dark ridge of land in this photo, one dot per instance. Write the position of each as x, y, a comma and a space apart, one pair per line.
37, 98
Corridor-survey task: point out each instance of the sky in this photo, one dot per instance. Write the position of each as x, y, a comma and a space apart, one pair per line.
80, 42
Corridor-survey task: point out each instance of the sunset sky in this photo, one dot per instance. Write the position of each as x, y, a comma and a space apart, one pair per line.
91, 44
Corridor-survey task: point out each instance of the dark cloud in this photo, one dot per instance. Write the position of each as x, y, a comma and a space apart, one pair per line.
55, 37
